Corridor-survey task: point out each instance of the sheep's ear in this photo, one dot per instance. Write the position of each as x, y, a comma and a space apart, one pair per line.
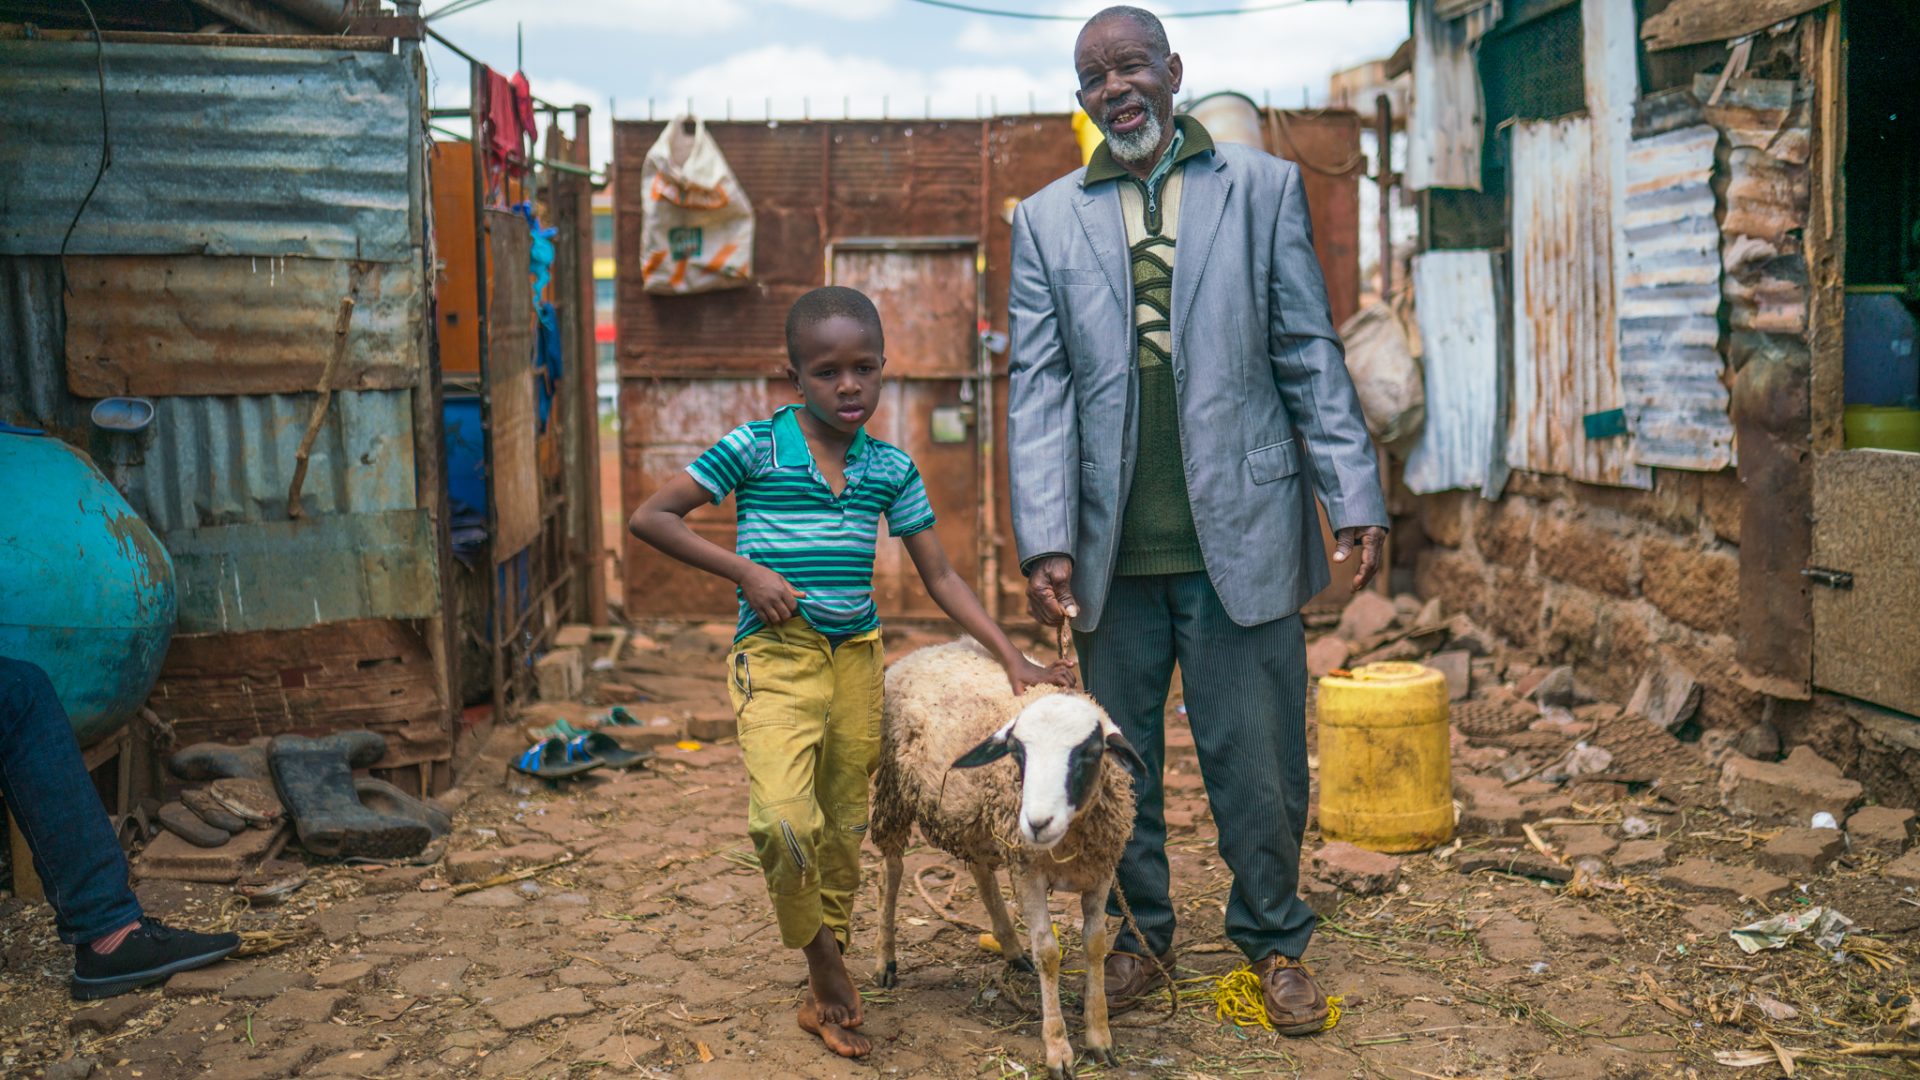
1118, 743
993, 748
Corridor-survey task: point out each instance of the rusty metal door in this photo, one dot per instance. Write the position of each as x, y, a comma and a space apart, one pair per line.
929, 295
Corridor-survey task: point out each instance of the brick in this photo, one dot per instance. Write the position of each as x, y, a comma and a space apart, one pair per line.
1883, 829
1510, 939
523, 1011
265, 982
355, 1063
1527, 863
1904, 871
1723, 882
349, 973
1456, 578
1583, 841
1807, 758
710, 725
1443, 516
1802, 852
1573, 619
1324, 898
466, 866
1367, 614
1355, 869
1457, 666
1789, 791
1493, 817
303, 1006
1724, 500
1640, 854
1575, 551
173, 859
1514, 607
106, 1017
432, 978
1504, 533
1666, 697
206, 980
1326, 654
1690, 585
559, 675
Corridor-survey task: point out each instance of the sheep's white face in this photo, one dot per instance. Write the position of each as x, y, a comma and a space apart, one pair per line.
1059, 743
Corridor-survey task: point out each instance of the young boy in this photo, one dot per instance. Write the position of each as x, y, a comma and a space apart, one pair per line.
810, 486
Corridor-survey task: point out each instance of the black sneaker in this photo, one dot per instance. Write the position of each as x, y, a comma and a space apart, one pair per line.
149, 955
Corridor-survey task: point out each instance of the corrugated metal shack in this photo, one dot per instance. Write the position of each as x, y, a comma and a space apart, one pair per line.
917, 213
181, 218
1636, 263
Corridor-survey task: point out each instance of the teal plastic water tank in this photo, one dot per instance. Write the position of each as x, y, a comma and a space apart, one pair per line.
86, 589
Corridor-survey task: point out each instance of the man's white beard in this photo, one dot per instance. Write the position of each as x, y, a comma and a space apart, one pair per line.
1136, 146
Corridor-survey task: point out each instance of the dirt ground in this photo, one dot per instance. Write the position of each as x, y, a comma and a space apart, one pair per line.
647, 948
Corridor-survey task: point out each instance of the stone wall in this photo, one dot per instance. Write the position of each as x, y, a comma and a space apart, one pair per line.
1607, 580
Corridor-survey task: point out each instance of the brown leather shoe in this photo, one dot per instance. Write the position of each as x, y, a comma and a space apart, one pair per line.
1130, 976
1295, 1004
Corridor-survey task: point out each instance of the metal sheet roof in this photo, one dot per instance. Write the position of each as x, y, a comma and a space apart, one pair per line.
1565, 358
221, 151
1670, 361
1462, 313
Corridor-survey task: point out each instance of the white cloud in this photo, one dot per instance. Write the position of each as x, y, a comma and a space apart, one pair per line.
979, 36
843, 9
864, 86
568, 92
662, 17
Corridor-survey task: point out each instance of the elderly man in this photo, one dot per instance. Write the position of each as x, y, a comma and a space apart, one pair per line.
1178, 397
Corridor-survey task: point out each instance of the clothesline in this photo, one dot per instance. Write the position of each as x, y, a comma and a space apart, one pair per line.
556, 166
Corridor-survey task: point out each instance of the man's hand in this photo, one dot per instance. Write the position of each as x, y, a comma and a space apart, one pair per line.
1050, 591
769, 595
1370, 539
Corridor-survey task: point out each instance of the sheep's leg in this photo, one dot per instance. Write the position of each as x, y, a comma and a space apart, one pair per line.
1093, 931
988, 882
889, 974
1031, 891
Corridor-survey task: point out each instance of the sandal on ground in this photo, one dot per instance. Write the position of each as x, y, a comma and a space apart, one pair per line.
595, 745
553, 759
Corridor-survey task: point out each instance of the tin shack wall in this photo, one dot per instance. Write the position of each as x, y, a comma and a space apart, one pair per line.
692, 367
251, 189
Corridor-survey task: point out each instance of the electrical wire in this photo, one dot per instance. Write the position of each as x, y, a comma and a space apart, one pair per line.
1036, 16
455, 7
106, 141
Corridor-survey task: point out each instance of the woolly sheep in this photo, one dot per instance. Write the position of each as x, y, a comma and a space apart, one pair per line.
1059, 820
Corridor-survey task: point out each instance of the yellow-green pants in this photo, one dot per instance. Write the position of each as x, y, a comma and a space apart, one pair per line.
809, 716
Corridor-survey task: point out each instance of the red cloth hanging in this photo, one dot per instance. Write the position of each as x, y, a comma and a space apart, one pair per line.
506, 146
523, 102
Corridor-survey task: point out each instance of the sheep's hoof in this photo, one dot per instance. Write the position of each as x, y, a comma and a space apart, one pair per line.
1104, 1055
890, 975
1023, 962
1060, 1072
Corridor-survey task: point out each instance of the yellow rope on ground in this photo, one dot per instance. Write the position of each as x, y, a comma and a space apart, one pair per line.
1237, 997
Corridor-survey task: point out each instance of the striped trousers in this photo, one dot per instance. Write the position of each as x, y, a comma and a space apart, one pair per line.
1246, 696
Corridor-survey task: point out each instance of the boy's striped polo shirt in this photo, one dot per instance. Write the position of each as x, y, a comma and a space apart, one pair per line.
792, 524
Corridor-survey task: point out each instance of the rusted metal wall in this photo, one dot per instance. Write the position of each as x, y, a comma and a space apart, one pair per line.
237, 324
1463, 327
1565, 363
217, 151
1445, 128
692, 367
251, 189
1671, 366
1767, 128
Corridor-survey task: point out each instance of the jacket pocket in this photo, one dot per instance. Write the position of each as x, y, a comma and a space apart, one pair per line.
1270, 463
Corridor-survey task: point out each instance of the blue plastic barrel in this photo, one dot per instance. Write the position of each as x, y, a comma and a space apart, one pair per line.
86, 589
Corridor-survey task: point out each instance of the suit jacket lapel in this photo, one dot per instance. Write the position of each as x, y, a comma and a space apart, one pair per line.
1099, 214
1203, 201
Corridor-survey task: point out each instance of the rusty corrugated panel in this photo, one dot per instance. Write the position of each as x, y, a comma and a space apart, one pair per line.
285, 575
1444, 130
1326, 145
1670, 361
922, 297
1459, 300
1565, 359
1769, 134
198, 324
905, 179
33, 365
218, 151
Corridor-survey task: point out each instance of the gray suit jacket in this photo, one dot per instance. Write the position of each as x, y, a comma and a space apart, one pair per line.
1266, 405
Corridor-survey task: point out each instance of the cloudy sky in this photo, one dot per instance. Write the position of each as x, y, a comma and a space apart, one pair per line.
826, 57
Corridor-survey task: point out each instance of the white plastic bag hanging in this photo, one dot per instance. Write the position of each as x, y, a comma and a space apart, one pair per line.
696, 229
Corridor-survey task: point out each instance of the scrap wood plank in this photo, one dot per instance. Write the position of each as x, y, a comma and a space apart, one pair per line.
1690, 22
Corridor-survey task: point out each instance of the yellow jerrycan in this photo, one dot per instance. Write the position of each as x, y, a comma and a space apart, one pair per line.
1386, 762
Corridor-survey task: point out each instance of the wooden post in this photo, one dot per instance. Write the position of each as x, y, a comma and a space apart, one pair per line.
1385, 178
594, 563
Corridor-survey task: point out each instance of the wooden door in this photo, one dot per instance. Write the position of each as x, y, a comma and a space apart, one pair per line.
1865, 577
928, 296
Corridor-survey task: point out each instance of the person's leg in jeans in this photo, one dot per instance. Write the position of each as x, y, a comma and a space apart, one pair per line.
48, 792
50, 795
1127, 665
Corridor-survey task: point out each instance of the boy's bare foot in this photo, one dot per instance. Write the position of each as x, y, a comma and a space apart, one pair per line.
833, 996
840, 1039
